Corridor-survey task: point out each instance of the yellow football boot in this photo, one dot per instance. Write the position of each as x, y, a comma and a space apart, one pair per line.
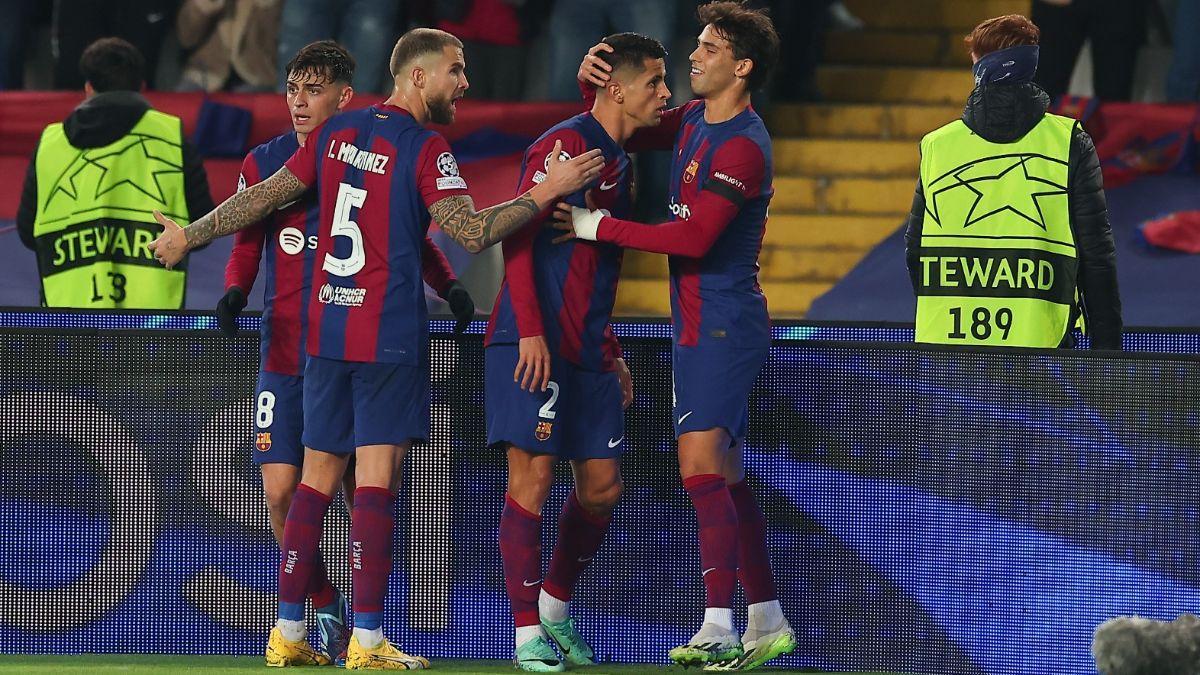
282, 652
384, 656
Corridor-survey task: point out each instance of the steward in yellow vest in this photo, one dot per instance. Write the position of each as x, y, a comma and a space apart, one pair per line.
1008, 241
92, 187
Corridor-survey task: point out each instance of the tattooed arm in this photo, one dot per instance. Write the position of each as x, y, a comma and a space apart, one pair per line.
477, 230
239, 211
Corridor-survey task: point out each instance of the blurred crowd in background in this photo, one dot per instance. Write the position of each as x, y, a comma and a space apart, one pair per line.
516, 49
526, 49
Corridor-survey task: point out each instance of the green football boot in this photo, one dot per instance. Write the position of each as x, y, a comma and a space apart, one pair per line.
575, 651
537, 656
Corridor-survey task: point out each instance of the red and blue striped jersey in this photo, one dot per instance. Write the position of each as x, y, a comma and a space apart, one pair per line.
376, 172
291, 232
721, 186
565, 291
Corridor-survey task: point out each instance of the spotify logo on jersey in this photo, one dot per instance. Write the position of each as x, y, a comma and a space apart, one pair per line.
292, 241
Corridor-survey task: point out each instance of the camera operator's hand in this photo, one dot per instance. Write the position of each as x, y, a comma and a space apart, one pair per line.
228, 308
461, 305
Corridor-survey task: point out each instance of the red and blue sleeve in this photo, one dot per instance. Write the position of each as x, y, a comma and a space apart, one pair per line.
611, 343
518, 248
735, 175
242, 267
437, 172
303, 163
435, 268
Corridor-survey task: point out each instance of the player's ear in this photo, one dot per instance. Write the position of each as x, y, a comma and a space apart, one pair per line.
614, 91
743, 68
417, 75
344, 99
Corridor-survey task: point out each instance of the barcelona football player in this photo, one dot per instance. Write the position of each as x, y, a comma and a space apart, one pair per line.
556, 384
719, 192
318, 86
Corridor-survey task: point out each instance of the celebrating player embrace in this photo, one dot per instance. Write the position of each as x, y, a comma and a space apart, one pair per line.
556, 383
380, 176
719, 192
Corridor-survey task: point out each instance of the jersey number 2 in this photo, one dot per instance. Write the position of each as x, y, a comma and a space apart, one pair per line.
349, 197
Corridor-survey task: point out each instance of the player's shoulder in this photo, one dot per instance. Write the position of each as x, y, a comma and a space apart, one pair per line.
749, 139
280, 148
571, 131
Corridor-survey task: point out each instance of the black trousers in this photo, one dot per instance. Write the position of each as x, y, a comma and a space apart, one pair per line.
1116, 29
75, 24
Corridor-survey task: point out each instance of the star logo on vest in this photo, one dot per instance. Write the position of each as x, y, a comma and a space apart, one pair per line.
1016, 185
689, 174
134, 170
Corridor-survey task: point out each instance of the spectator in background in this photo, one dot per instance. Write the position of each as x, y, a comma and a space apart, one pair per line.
802, 26
574, 23
493, 33
366, 27
230, 44
75, 24
14, 37
1183, 79
1116, 29
87, 208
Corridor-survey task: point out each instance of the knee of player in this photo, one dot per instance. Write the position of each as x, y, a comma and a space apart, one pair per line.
279, 496
601, 501
532, 487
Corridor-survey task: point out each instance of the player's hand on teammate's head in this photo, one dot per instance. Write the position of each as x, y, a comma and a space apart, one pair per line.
572, 175
593, 69
533, 364
171, 245
228, 307
626, 380
462, 306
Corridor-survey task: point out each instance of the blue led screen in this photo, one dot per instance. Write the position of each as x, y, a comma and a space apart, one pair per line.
931, 511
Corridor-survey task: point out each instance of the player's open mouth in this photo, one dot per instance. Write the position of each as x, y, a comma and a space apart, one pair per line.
300, 119
695, 71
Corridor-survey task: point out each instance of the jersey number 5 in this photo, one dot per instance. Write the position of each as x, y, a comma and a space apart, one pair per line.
349, 197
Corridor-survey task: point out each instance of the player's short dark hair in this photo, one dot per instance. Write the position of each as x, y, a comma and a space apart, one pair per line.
326, 60
631, 50
112, 64
749, 31
419, 42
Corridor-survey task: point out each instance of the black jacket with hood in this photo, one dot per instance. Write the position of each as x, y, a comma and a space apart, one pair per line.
102, 119
1004, 113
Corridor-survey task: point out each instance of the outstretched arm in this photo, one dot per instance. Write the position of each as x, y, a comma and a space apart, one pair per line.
737, 173
477, 230
239, 211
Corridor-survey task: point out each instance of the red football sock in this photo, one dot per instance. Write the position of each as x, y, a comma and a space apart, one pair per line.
371, 525
754, 565
579, 537
301, 537
320, 590
521, 551
718, 522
